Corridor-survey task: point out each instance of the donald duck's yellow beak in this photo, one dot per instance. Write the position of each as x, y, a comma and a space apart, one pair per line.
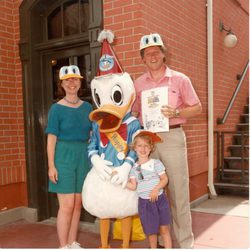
109, 117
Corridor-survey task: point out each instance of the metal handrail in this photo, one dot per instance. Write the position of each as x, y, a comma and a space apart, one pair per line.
222, 120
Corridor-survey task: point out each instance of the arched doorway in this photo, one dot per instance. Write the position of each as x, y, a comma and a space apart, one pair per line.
52, 34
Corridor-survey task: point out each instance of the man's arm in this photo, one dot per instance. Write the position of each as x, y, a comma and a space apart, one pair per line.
190, 111
186, 112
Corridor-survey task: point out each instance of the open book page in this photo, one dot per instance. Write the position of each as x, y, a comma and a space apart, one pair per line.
152, 100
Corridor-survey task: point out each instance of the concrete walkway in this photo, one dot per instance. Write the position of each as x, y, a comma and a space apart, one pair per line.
222, 223
217, 223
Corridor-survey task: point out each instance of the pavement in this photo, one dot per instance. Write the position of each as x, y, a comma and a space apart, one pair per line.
222, 222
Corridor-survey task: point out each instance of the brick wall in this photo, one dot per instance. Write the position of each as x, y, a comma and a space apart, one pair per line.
230, 61
183, 27
12, 149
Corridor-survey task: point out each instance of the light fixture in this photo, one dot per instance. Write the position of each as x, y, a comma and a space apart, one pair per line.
230, 39
53, 62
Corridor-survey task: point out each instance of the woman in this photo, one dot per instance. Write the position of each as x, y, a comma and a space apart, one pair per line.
68, 132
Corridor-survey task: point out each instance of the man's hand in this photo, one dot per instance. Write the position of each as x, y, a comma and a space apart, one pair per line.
121, 177
101, 167
168, 111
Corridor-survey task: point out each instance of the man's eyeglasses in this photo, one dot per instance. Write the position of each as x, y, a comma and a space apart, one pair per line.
140, 175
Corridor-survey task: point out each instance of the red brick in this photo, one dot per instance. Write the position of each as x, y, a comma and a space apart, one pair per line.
182, 24
120, 4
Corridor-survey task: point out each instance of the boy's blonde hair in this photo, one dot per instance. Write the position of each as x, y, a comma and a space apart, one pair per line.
146, 138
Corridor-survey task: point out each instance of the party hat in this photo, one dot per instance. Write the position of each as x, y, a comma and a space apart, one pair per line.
108, 63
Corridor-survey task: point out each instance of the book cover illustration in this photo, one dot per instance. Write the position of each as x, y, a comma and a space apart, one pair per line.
152, 101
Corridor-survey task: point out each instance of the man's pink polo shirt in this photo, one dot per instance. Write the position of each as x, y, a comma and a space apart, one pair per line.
180, 92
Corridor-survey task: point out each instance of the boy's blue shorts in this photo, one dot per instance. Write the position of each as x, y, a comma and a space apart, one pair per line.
154, 214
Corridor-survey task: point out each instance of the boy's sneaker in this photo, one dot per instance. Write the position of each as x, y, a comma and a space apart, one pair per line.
75, 245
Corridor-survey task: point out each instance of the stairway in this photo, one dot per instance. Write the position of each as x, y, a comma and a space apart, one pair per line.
233, 170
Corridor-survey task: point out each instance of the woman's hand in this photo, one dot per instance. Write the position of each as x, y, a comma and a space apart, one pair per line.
53, 175
51, 145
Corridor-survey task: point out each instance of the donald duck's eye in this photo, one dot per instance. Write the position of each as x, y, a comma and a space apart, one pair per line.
74, 70
117, 95
97, 98
66, 71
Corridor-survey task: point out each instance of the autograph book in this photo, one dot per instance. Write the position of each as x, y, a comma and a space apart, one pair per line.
152, 101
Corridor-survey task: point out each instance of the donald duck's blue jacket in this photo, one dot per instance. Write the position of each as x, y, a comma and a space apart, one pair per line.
99, 143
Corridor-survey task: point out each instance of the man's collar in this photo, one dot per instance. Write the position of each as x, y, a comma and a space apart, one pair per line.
168, 73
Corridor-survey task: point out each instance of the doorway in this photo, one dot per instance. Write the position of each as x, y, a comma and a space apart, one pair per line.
52, 34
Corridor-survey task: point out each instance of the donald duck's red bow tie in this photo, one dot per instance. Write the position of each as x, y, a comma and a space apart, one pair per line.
122, 131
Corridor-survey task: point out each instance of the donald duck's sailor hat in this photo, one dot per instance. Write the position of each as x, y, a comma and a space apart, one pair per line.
151, 40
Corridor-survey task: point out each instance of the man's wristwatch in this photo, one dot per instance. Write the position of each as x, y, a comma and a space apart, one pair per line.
177, 113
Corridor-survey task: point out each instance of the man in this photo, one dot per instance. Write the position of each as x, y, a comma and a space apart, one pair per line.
183, 103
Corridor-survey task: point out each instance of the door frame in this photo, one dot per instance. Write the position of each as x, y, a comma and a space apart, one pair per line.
35, 101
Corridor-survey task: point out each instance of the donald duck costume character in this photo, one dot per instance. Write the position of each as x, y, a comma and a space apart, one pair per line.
104, 193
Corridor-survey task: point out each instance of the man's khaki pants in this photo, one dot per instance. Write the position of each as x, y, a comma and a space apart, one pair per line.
173, 154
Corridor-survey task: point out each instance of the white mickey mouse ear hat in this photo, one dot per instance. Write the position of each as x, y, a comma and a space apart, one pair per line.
151, 40
155, 138
69, 72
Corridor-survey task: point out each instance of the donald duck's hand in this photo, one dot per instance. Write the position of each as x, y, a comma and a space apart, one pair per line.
121, 177
100, 165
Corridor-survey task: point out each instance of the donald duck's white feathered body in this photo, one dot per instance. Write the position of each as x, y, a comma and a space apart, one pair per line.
103, 193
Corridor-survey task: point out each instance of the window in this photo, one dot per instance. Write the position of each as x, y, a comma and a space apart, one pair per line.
55, 21
70, 18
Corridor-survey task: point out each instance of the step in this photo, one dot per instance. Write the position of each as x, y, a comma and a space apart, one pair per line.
238, 146
242, 126
231, 185
236, 150
233, 178
246, 109
244, 118
236, 158
232, 171
238, 138
235, 162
